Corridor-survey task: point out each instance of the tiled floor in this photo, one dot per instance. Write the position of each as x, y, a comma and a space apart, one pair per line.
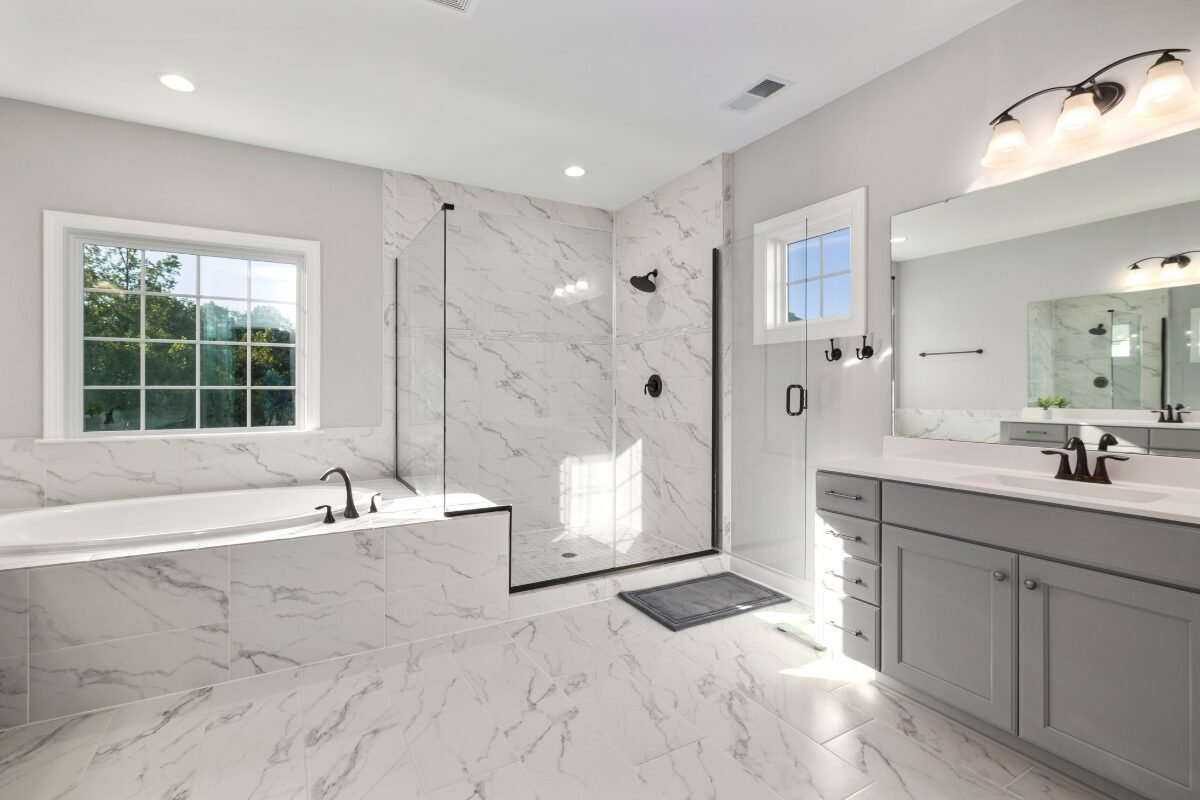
546, 555
593, 702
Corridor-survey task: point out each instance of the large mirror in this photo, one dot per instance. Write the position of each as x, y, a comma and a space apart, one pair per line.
1019, 319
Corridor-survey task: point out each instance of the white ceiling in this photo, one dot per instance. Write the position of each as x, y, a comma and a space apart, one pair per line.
505, 97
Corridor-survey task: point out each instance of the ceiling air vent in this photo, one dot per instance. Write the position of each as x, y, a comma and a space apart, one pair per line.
756, 94
464, 6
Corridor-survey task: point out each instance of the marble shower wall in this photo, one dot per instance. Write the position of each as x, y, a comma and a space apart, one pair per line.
664, 444
529, 394
84, 636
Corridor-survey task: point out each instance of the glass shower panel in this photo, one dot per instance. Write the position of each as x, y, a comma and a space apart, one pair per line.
767, 397
420, 361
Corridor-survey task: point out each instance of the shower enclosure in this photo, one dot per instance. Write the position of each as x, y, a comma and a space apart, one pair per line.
524, 366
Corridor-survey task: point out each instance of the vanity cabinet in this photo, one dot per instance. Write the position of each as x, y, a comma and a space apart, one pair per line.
1110, 675
950, 621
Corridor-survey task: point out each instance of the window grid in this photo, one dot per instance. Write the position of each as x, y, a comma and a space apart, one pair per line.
812, 283
247, 344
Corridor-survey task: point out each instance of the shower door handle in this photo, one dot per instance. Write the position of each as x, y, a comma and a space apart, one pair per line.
787, 401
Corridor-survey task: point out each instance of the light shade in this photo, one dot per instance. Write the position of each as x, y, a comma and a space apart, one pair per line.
1008, 146
176, 82
575, 171
1079, 121
1168, 91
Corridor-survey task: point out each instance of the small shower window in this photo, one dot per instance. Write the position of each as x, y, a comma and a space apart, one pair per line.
167, 330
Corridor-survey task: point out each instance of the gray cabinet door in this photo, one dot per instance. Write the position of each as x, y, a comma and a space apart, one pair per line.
1110, 676
949, 616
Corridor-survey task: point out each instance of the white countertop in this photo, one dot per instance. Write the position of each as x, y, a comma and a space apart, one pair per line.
1109, 422
1154, 487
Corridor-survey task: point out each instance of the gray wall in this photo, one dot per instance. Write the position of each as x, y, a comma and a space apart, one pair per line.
62, 160
915, 136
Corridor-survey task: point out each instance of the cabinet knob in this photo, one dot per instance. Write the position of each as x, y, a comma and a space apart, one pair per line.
1030, 583
999, 576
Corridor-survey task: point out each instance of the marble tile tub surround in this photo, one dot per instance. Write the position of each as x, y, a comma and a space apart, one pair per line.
593, 702
84, 636
664, 444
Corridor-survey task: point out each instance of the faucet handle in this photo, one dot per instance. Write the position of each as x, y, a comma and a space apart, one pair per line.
329, 520
1101, 474
375, 509
1064, 463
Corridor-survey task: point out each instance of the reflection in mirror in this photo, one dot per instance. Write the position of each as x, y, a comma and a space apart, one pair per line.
1018, 319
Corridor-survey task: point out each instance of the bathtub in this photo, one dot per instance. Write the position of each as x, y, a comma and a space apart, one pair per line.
101, 528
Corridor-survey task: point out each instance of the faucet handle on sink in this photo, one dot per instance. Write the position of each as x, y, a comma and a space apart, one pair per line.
1101, 474
1064, 463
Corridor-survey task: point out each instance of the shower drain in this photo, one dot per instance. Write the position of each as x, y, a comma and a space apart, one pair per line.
568, 555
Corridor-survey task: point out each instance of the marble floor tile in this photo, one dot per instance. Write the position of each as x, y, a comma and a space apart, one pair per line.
342, 698
1043, 784
372, 763
626, 712
937, 734
511, 686
908, 770
411, 666
555, 645
599, 623
802, 702
450, 734
45, 761
253, 745
507, 783
701, 771
150, 750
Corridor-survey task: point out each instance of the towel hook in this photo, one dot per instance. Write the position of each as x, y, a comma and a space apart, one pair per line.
864, 352
834, 353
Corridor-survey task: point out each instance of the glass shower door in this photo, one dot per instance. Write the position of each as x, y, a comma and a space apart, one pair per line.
766, 389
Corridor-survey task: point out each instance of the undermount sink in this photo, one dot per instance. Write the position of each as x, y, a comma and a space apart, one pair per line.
1096, 490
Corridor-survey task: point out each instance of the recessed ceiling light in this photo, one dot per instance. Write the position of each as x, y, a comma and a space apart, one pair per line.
898, 239
176, 82
575, 171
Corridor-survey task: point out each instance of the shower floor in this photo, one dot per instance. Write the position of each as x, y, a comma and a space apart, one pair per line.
560, 553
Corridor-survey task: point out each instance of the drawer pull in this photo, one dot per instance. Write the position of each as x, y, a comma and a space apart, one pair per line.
999, 576
843, 495
857, 581
859, 634
845, 536
1031, 430
1031, 584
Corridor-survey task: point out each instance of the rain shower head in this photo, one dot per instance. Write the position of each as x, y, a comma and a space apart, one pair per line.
644, 283
1099, 330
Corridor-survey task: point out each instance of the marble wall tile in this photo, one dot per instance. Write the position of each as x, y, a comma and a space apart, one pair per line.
81, 472
434, 190
445, 609
14, 691
509, 400
537, 275
512, 359
665, 440
704, 177
695, 214
683, 399
299, 574
303, 636
22, 475
435, 553
507, 234
14, 612
114, 598
672, 305
48, 759
688, 355
583, 216
581, 398
581, 361
91, 676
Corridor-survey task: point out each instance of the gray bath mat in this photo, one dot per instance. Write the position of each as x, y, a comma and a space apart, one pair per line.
700, 600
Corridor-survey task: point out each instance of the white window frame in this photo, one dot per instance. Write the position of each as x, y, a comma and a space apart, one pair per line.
771, 240
62, 287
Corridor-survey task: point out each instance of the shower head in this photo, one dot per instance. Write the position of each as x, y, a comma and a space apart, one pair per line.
1099, 330
643, 283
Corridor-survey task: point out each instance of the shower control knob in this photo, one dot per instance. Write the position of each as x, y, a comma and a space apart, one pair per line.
653, 387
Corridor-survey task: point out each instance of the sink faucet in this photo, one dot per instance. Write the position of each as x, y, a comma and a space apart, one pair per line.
1081, 472
1171, 413
351, 512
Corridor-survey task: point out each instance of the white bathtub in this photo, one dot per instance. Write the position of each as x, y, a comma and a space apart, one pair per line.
115, 525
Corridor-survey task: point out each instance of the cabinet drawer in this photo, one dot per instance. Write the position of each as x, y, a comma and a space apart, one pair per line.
848, 494
1129, 440
1034, 432
849, 536
852, 627
852, 577
1186, 440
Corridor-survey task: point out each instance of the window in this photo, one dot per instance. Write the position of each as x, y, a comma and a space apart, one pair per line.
810, 272
159, 329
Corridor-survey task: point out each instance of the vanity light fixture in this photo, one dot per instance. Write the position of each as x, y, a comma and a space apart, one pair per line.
1168, 91
898, 239
1180, 260
176, 82
574, 171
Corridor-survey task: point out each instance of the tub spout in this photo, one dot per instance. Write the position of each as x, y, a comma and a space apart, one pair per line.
351, 512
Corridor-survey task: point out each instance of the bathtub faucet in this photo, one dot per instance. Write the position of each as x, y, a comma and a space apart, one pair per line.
351, 512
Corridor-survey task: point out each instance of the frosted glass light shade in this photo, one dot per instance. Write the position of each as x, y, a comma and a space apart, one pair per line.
1079, 121
1008, 145
1168, 91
